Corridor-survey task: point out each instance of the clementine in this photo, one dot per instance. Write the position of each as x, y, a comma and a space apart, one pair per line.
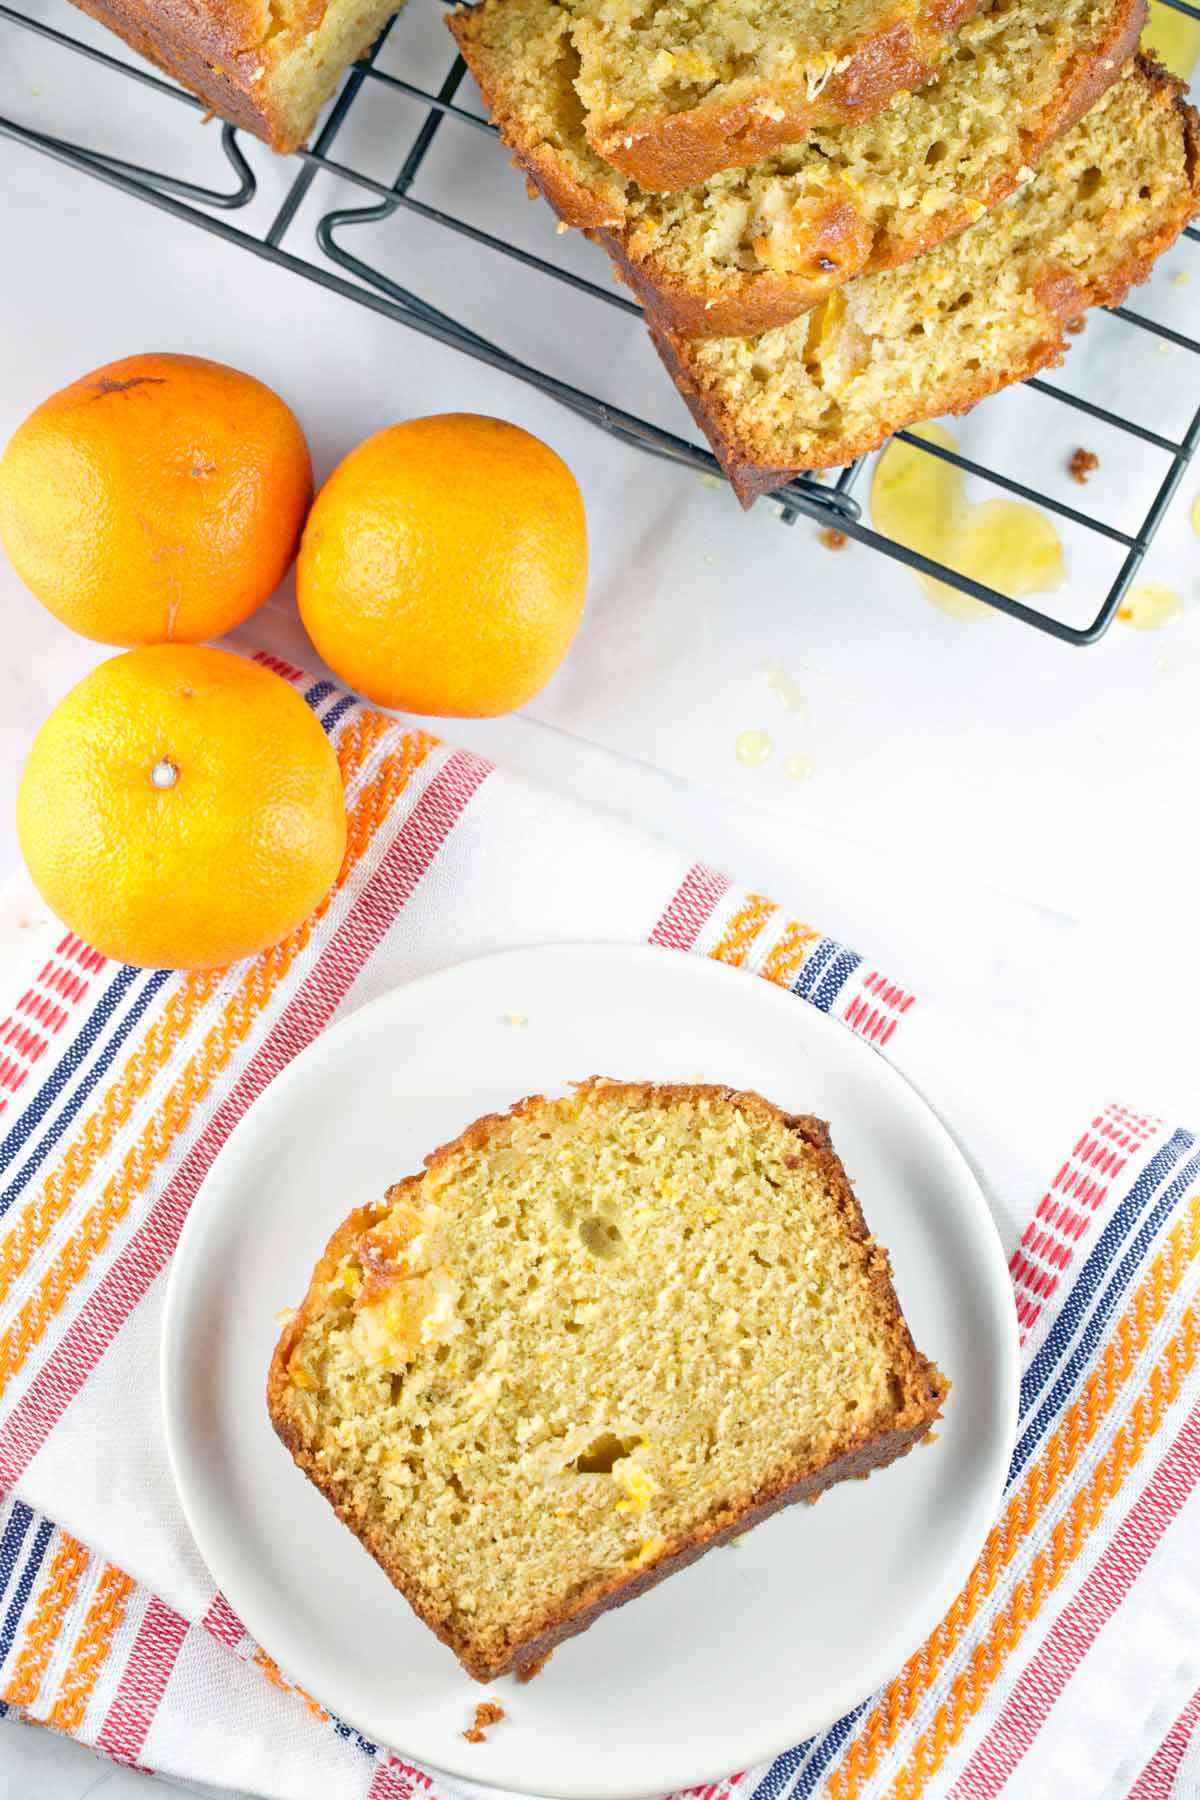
181, 808
159, 499
444, 566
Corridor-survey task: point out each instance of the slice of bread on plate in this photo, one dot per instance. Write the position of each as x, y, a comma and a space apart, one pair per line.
596, 1337
752, 248
983, 310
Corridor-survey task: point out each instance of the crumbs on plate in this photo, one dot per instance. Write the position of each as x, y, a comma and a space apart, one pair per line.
487, 1713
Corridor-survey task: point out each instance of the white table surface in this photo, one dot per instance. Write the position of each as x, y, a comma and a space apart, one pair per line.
1007, 823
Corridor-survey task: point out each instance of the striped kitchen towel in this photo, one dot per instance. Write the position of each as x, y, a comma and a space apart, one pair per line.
1070, 1663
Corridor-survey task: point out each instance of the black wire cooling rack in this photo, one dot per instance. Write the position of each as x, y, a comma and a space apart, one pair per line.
831, 502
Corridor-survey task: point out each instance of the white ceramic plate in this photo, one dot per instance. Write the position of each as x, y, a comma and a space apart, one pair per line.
754, 1647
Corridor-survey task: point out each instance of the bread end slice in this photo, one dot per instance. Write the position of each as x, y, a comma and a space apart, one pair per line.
266, 68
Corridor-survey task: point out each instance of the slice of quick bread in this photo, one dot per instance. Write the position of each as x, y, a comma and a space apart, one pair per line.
983, 310
752, 248
596, 1337
266, 65
674, 90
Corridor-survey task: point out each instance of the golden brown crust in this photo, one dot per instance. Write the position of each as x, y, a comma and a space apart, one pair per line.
1060, 292
744, 303
922, 1390
222, 50
666, 151
200, 49
585, 207
854, 1465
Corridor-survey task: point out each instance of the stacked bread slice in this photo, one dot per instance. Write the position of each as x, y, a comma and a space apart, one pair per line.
901, 260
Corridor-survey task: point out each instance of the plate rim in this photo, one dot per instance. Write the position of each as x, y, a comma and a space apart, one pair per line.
986, 1238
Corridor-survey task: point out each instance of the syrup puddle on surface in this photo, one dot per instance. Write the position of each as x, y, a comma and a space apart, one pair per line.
753, 748
798, 767
922, 503
1174, 37
1149, 607
1196, 515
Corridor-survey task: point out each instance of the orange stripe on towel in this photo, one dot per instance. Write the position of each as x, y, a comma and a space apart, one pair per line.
36, 1220
41, 1634
785, 958
91, 1648
1026, 1506
744, 926
270, 1668
220, 1044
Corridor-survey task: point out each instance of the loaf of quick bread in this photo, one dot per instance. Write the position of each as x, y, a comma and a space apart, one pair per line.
596, 1337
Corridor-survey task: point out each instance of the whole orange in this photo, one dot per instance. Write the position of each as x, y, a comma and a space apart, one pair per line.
181, 808
444, 566
159, 499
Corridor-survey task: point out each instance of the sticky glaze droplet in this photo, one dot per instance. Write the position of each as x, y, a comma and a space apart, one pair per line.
1196, 515
515, 1018
1149, 607
798, 767
781, 683
753, 748
164, 774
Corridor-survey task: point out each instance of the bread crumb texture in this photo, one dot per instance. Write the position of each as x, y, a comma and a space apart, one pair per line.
673, 90
594, 1332
664, 57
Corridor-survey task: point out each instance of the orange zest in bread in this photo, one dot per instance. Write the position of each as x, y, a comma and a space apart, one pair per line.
752, 248
984, 310
266, 65
596, 1337
673, 92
